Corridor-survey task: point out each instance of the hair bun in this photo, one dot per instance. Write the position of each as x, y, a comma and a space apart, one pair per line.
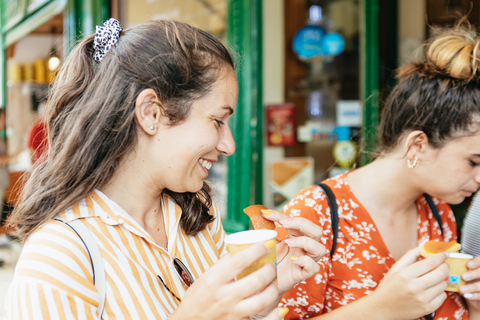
454, 52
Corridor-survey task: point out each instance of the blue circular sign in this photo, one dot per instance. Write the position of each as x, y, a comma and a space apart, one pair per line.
332, 44
308, 43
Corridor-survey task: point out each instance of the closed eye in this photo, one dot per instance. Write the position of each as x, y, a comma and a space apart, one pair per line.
219, 122
474, 164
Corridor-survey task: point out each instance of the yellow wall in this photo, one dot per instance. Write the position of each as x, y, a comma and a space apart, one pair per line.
208, 15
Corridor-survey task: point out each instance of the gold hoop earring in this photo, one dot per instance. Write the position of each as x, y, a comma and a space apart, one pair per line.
412, 165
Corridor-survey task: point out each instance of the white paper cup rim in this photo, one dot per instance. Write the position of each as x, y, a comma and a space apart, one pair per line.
250, 236
457, 255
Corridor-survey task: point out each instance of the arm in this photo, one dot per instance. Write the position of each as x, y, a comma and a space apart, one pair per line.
410, 290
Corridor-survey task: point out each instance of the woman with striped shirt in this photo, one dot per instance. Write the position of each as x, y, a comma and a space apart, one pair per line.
471, 228
135, 120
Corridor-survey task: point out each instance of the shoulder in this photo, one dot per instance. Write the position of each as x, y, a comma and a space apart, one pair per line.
429, 222
54, 253
313, 200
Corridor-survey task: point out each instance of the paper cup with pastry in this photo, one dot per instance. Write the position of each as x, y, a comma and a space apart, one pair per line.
456, 261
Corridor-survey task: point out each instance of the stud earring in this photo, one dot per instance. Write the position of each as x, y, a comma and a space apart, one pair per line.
412, 165
152, 127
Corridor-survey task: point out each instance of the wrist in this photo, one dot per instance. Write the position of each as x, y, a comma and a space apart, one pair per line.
473, 309
375, 301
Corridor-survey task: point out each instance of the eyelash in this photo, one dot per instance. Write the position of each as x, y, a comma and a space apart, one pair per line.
474, 164
219, 122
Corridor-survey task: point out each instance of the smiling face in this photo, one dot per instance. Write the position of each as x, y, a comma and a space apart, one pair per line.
184, 153
452, 172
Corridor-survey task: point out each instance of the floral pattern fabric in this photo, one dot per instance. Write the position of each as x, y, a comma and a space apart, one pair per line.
361, 258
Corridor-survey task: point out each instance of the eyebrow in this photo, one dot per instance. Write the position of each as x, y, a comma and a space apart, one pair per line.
230, 109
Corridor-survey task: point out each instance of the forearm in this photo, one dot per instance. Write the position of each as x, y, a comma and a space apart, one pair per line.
367, 307
473, 313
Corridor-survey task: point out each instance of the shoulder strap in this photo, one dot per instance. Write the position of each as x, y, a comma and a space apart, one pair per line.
332, 203
95, 258
434, 210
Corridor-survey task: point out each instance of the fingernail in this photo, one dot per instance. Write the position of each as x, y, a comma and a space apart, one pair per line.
286, 221
467, 276
447, 254
289, 240
283, 312
468, 296
471, 264
270, 243
293, 258
266, 211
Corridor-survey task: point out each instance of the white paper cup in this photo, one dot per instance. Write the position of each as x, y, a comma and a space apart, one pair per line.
239, 241
458, 265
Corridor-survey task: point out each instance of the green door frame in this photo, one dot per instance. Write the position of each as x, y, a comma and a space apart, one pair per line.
81, 17
244, 35
3, 60
369, 75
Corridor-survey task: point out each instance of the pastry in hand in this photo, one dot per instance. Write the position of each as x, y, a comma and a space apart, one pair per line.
433, 247
254, 212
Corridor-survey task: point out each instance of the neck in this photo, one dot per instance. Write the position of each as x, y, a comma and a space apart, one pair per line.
385, 183
136, 193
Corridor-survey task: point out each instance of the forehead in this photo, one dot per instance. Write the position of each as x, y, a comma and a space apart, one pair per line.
465, 144
222, 96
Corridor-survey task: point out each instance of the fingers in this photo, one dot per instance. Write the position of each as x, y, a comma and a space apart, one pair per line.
471, 290
408, 258
427, 265
308, 266
296, 226
313, 248
255, 282
434, 277
256, 303
277, 313
274, 215
438, 296
228, 268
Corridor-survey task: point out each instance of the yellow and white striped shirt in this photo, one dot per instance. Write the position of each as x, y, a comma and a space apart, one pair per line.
53, 277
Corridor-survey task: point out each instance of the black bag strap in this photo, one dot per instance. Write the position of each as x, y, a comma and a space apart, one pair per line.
332, 203
434, 210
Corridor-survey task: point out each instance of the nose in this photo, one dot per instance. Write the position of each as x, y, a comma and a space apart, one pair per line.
477, 177
226, 144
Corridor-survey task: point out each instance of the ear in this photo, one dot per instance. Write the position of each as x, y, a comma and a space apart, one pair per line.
416, 144
147, 111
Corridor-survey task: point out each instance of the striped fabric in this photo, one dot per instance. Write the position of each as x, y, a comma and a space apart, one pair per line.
471, 228
53, 277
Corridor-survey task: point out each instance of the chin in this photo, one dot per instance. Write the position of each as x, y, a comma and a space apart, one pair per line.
454, 200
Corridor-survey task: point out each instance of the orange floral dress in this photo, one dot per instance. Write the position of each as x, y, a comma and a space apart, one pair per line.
361, 258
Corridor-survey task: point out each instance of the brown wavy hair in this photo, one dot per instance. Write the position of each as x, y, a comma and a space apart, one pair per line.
91, 121
439, 95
